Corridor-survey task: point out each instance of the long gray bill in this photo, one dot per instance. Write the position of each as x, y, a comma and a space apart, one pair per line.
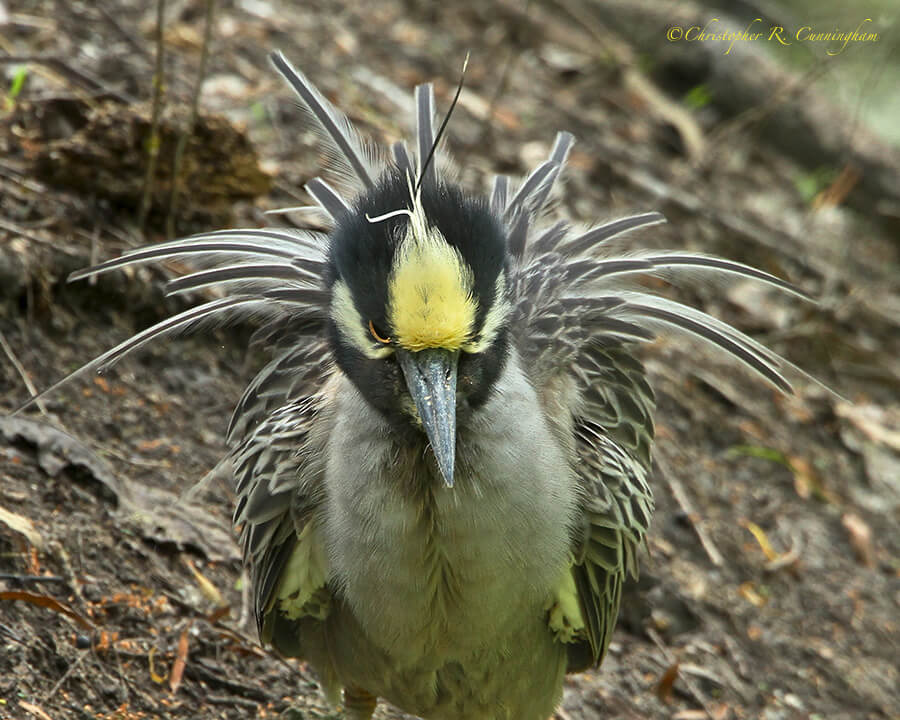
431, 379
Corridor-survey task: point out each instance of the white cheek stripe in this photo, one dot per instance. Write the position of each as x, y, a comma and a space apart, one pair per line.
494, 320
352, 326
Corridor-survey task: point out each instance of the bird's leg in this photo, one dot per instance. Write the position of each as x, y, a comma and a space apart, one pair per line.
359, 704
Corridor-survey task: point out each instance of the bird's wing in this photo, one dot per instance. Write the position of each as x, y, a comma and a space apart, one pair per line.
278, 469
577, 316
578, 352
617, 504
576, 322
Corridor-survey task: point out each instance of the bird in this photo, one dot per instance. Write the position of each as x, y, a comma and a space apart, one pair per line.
442, 472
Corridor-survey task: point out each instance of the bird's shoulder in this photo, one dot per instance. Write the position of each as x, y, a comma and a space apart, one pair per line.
278, 468
594, 390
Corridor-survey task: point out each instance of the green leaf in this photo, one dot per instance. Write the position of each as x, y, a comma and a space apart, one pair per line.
759, 452
18, 82
697, 97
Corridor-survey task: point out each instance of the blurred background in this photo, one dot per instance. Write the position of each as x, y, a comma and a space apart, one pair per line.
771, 588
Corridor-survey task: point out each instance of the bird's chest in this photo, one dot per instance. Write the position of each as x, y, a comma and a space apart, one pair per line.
443, 573
437, 574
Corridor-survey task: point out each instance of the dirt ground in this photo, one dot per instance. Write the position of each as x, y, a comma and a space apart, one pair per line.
772, 585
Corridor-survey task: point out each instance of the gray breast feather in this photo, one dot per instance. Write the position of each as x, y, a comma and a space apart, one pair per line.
425, 566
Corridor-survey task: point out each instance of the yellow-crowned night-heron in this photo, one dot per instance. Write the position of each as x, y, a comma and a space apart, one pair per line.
442, 474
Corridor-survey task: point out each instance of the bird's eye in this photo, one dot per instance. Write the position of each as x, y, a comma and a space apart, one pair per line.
380, 337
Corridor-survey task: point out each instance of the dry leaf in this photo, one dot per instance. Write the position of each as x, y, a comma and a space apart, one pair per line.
34, 561
218, 614
860, 538
21, 525
154, 676
666, 683
880, 425
839, 189
804, 480
49, 603
761, 538
34, 710
106, 640
180, 661
210, 591
748, 592
184, 36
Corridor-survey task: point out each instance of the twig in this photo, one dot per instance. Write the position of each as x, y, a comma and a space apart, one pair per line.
153, 141
95, 253
189, 130
65, 676
128, 37
688, 683
733, 650
244, 616
233, 701
701, 672
681, 497
31, 578
124, 237
72, 579
487, 130
130, 459
17, 175
789, 558
60, 65
199, 671
9, 633
723, 136
291, 667
24, 375
22, 232
123, 678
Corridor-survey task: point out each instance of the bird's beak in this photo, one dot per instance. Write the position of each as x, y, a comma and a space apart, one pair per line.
431, 379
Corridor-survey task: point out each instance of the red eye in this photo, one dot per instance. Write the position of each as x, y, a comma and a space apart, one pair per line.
375, 334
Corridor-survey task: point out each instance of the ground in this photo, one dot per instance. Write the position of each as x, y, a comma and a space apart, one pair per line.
771, 586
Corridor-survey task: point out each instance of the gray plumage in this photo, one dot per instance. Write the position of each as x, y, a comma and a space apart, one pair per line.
450, 602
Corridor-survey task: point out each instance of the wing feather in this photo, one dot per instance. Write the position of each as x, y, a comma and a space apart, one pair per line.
349, 151
577, 316
327, 197
278, 471
424, 95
